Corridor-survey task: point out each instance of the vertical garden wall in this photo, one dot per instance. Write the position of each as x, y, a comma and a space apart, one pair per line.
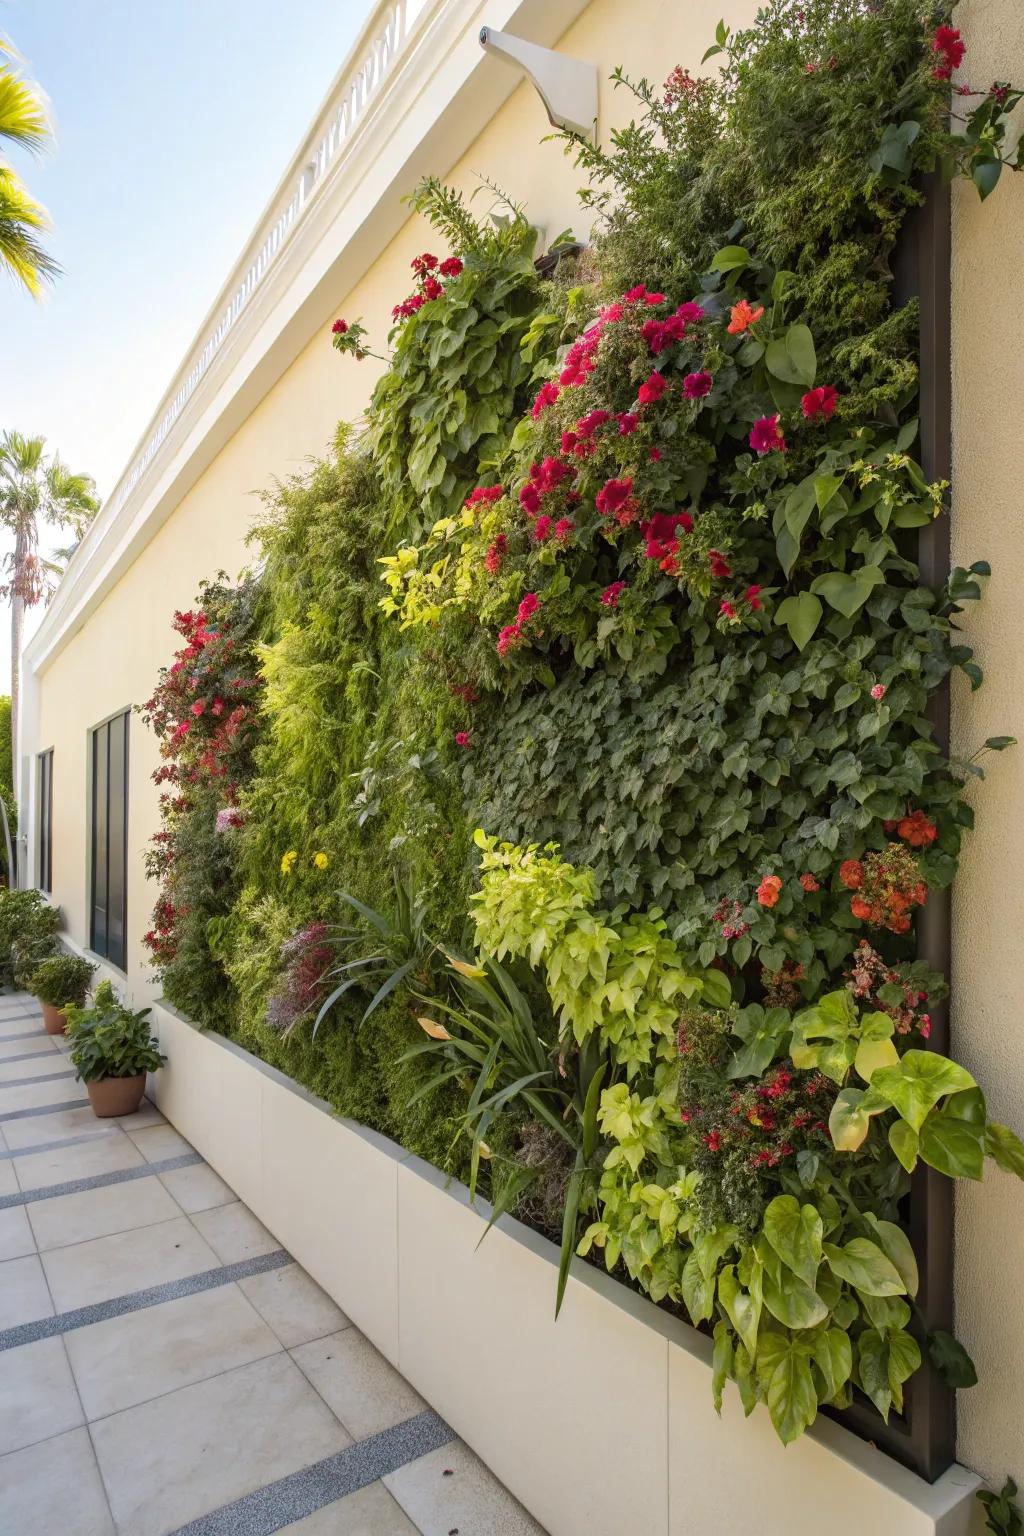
561, 794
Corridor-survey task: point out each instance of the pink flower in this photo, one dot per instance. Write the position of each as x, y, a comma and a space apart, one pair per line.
765, 436
726, 609
462, 739
564, 529
496, 554
588, 425
690, 313
751, 595
628, 422
509, 638
819, 402
529, 498
450, 267
488, 493
528, 607
610, 596
652, 389
198, 706
697, 385
878, 692
613, 495
542, 528
546, 395
654, 454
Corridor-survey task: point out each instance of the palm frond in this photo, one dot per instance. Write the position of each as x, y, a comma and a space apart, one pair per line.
21, 220
23, 115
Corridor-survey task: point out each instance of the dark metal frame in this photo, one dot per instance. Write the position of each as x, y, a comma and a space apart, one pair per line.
924, 1436
101, 840
45, 769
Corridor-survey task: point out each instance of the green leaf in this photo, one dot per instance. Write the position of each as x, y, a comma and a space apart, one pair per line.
825, 487
849, 1122
1000, 743
743, 1308
863, 1265
832, 1353
985, 175
801, 616
791, 357
762, 1042
848, 593
790, 1395
792, 1301
721, 1363
698, 1290
795, 1232
917, 1084
731, 258
903, 1140
904, 1360
897, 1247
1005, 1148
873, 1369
716, 990
954, 1146
951, 1360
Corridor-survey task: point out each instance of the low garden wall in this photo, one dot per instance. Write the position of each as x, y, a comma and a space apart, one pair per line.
600, 1423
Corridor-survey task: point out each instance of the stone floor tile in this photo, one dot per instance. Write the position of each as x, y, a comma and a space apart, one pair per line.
15, 1234
44, 1045
16, 1025
24, 1295
15, 1096
37, 1394
106, 1152
294, 1305
171, 1460
370, 1512
233, 1232
66, 1219
366, 1393
145, 1116
8, 1177
127, 1261
61, 1125
54, 1489
128, 1360
470, 1499
197, 1188
159, 1141
52, 1067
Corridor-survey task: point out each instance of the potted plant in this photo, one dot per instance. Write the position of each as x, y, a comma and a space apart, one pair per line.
28, 934
112, 1049
61, 980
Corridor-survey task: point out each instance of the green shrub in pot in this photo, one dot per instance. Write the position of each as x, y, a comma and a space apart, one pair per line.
62, 979
112, 1049
28, 934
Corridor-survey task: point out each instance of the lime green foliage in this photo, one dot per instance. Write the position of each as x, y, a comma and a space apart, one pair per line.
110, 1040
1002, 1512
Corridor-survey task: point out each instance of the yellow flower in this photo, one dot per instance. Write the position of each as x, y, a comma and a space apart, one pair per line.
321, 860
288, 861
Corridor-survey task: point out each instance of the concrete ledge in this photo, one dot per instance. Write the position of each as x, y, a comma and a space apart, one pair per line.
601, 1423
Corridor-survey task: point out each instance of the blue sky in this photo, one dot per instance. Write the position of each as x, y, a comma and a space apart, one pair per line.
174, 123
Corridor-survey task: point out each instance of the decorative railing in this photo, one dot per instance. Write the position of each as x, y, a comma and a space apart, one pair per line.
381, 42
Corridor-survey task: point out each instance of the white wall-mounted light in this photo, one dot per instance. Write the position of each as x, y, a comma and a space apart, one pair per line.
566, 86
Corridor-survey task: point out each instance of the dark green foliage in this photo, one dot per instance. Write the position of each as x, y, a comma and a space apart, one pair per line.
62, 979
6, 766
28, 934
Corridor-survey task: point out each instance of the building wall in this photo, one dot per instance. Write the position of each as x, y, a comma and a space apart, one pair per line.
988, 898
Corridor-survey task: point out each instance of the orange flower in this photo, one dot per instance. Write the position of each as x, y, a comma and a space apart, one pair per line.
809, 883
742, 316
768, 890
859, 907
851, 873
917, 830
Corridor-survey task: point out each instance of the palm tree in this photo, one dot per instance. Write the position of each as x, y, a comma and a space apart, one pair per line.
23, 121
35, 489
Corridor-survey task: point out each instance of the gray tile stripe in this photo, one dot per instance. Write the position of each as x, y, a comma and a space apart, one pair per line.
5, 1061
101, 1180
66, 1141
29, 1034
137, 1301
44, 1077
42, 1109
292, 1498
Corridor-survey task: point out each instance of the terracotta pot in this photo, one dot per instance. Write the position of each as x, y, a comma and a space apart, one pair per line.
116, 1095
53, 1019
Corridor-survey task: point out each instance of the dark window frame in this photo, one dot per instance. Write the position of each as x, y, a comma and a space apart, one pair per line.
107, 763
44, 770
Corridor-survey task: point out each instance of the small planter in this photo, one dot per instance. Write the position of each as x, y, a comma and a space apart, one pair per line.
53, 1019
116, 1095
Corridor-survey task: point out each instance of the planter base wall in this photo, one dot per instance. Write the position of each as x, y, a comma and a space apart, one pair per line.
601, 1423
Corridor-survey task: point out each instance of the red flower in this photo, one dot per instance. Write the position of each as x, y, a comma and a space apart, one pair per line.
610, 596
915, 828
713, 1141
546, 395
751, 596
851, 873
487, 493
652, 389
450, 267
613, 495
198, 706
588, 425
432, 289
765, 436
496, 554
542, 528
768, 890
948, 43
690, 313
424, 263
654, 454
628, 422
697, 385
661, 533
720, 567
809, 884
462, 739
726, 609
819, 402
339, 327
528, 607
563, 529
860, 908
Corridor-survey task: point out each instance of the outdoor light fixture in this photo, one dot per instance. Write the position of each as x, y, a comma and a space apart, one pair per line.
566, 86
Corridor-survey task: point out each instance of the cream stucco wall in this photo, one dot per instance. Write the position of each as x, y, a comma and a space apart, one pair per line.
112, 662
988, 898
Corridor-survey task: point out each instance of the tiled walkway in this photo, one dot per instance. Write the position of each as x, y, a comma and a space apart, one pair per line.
165, 1367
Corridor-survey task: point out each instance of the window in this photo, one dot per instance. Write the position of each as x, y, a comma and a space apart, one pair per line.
108, 849
46, 821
